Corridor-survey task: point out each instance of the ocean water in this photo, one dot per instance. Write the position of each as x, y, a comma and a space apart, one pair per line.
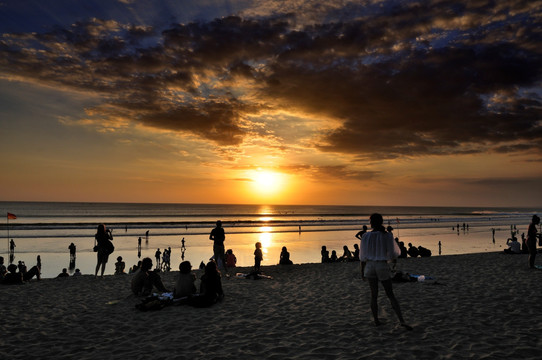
47, 229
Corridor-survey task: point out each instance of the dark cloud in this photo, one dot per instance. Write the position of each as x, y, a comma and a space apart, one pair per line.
403, 78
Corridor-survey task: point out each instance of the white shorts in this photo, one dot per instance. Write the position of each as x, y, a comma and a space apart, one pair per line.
377, 269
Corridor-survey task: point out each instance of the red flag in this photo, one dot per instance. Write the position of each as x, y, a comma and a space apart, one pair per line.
12, 216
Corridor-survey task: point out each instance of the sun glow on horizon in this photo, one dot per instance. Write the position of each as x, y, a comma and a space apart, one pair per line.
267, 183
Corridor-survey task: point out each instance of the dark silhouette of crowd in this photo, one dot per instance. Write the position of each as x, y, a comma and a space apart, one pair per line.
17, 274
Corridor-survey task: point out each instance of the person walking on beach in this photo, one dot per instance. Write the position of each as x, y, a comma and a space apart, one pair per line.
376, 249
531, 239
103, 248
218, 236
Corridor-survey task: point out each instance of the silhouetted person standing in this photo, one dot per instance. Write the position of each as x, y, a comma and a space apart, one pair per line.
12, 247
531, 239
218, 236
103, 238
376, 249
157, 256
72, 250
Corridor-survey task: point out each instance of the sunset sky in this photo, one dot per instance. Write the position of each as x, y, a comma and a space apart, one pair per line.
279, 102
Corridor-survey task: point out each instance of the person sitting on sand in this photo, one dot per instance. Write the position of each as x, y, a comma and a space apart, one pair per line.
64, 273
77, 272
376, 249
514, 247
12, 277
231, 260
333, 257
119, 266
424, 252
285, 257
356, 252
136, 267
347, 254
185, 284
145, 279
28, 274
412, 250
404, 251
210, 291
325, 255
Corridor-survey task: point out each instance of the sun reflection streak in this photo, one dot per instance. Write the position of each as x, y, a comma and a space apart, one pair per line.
266, 238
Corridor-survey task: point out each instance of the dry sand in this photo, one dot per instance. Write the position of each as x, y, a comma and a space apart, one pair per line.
482, 306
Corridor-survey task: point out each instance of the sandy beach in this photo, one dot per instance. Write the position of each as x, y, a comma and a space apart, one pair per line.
480, 306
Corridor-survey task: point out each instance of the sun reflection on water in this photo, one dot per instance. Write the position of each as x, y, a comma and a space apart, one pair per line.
266, 238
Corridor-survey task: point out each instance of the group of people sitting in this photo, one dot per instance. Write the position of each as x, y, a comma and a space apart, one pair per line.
515, 247
231, 259
17, 274
210, 290
412, 251
345, 257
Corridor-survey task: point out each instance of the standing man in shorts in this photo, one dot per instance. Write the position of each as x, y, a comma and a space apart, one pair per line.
376, 249
218, 236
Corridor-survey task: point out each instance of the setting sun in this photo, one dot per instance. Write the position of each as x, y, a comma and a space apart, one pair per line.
267, 182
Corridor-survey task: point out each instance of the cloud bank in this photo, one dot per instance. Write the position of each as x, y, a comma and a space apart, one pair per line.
395, 78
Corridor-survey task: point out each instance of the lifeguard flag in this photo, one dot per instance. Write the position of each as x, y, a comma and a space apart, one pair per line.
12, 216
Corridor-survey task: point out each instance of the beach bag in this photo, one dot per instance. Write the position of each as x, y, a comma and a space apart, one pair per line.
109, 247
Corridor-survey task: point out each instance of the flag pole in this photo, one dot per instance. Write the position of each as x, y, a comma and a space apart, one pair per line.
7, 225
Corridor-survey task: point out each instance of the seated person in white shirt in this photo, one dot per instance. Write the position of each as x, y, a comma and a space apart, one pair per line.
514, 247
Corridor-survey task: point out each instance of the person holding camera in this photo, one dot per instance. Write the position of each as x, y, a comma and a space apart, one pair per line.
103, 247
